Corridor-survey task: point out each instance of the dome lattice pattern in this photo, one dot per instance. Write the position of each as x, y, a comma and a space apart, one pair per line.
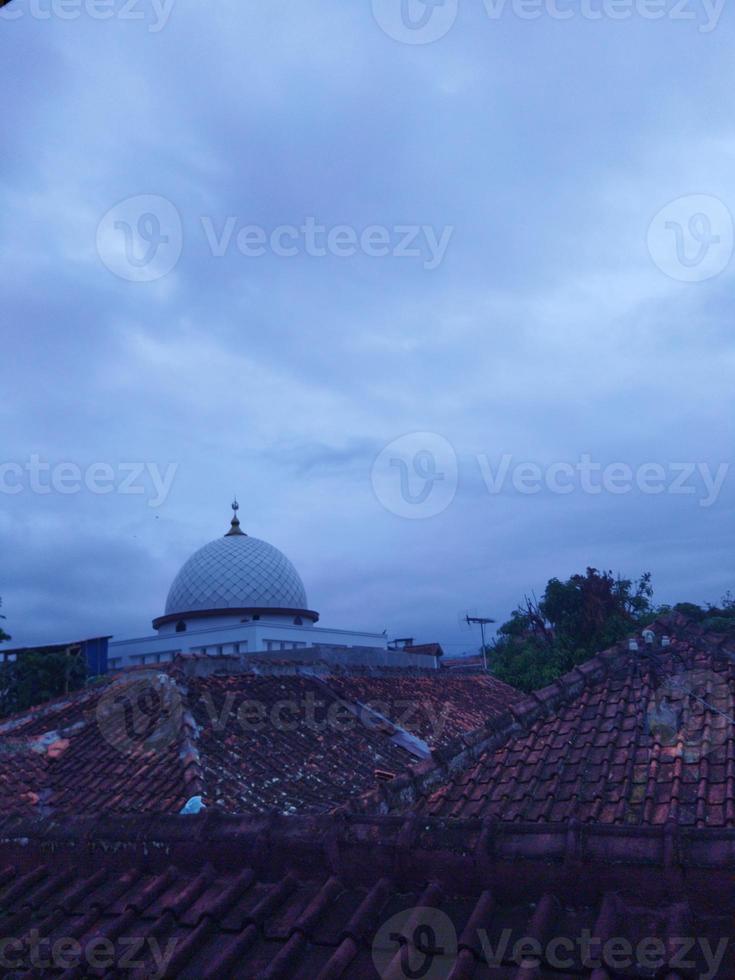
236, 572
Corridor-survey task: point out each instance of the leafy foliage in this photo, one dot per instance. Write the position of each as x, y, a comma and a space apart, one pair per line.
38, 676
572, 622
719, 619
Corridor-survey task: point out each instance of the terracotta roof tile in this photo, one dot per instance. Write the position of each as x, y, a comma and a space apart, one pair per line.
648, 737
244, 740
326, 897
438, 708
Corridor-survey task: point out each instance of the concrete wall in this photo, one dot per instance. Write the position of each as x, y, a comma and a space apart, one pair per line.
242, 639
225, 619
356, 656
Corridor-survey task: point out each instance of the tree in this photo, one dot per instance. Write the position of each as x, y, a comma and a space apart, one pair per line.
719, 619
572, 622
3, 635
36, 676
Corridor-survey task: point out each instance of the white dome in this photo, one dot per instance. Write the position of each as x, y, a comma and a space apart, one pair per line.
236, 572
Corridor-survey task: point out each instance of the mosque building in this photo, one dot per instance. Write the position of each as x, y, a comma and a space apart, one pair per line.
239, 595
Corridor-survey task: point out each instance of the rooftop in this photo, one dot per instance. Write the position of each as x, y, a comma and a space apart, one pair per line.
300, 898
586, 831
244, 737
633, 737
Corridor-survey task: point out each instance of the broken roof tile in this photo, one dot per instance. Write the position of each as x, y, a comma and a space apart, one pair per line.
246, 740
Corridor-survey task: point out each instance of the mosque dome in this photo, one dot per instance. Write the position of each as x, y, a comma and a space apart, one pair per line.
236, 574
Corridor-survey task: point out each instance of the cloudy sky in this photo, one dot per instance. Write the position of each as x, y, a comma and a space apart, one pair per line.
444, 294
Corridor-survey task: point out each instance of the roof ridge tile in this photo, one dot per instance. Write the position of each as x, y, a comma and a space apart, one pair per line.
616, 662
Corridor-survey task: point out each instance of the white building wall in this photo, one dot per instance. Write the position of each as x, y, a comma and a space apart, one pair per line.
227, 619
240, 638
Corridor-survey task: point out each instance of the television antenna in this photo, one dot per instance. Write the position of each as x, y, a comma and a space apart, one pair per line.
482, 622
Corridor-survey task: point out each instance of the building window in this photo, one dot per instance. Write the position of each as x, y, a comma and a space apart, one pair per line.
256, 616
181, 626
298, 621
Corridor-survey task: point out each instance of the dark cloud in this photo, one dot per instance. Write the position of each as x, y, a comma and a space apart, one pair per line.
546, 332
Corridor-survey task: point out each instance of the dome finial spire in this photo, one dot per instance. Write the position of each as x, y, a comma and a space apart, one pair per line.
235, 523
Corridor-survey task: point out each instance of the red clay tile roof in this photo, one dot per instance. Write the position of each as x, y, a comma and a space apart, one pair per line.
637, 738
439, 709
149, 741
22, 772
305, 898
281, 751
